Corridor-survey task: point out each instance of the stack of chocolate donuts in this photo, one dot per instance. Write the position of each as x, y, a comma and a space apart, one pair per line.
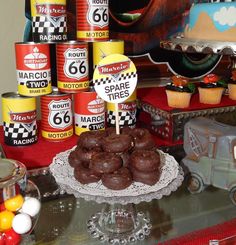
116, 159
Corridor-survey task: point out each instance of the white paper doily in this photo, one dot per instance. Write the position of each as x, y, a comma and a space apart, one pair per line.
171, 178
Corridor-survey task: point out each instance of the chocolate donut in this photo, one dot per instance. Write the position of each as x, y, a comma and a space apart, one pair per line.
110, 130
145, 160
117, 143
148, 178
86, 175
142, 139
125, 158
73, 159
126, 130
105, 162
84, 155
91, 139
118, 180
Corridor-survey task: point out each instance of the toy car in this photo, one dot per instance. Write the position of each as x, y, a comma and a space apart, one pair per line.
210, 159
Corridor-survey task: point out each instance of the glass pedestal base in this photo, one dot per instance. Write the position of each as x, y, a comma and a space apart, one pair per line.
119, 224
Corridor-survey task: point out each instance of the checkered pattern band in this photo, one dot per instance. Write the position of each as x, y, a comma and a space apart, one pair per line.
44, 25
126, 118
122, 77
19, 131
127, 76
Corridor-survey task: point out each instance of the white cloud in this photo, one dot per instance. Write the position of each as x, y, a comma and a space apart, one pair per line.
226, 16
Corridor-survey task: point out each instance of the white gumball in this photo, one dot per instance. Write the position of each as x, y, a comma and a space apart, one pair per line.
31, 206
22, 223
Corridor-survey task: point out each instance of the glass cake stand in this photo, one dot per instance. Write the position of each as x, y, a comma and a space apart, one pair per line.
181, 44
118, 222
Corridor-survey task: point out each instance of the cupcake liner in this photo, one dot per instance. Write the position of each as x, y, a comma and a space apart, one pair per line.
232, 91
178, 99
210, 95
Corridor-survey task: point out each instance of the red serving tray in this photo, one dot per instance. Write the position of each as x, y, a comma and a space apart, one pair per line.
156, 97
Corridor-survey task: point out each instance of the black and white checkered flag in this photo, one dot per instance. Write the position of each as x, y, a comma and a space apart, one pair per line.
19, 132
126, 118
44, 25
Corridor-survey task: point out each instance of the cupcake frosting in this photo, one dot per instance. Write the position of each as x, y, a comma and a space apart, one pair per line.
212, 81
180, 84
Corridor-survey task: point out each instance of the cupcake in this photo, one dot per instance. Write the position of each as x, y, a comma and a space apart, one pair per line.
211, 89
232, 86
179, 92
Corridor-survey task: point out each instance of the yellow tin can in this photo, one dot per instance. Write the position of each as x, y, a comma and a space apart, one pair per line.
49, 20
103, 49
19, 119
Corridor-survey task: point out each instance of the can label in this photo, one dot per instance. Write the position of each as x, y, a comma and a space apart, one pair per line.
103, 49
57, 119
92, 20
127, 111
72, 67
49, 21
33, 69
89, 112
19, 120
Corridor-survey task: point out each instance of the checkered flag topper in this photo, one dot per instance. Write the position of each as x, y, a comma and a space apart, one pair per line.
122, 77
18, 131
44, 25
126, 118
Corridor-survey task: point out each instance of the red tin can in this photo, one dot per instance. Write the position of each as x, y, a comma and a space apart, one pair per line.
33, 68
72, 66
92, 20
56, 116
89, 112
